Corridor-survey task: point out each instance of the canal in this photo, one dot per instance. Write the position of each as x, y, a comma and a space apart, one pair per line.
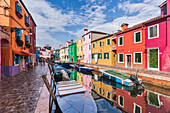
113, 97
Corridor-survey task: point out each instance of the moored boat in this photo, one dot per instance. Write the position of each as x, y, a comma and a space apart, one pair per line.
119, 77
85, 69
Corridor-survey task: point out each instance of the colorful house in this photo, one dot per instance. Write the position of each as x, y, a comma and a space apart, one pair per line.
104, 50
67, 57
32, 40
158, 40
88, 37
15, 18
73, 52
62, 54
80, 50
56, 54
131, 46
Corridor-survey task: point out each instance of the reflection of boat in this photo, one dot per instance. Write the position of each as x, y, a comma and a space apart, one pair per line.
119, 77
72, 98
85, 69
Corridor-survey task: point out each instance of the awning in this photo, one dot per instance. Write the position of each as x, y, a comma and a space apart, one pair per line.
26, 54
17, 52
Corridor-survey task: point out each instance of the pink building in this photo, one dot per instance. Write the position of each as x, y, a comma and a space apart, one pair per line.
67, 58
87, 38
157, 39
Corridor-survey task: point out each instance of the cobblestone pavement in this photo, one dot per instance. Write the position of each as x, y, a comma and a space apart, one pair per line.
20, 93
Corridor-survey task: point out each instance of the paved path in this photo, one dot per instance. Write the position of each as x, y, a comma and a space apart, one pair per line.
20, 93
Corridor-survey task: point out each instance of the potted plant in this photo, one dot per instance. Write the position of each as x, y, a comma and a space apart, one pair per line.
27, 44
19, 42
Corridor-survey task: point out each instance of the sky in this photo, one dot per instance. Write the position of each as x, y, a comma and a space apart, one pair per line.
59, 21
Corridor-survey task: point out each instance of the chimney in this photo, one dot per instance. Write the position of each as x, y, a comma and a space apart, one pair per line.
71, 41
85, 31
60, 46
124, 26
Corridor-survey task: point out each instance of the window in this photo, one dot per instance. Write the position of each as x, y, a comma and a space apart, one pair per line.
100, 43
100, 91
26, 19
108, 41
81, 48
165, 10
92, 56
89, 47
26, 38
108, 94
137, 109
89, 36
93, 45
153, 31
81, 79
106, 55
93, 86
137, 37
16, 59
120, 58
18, 33
89, 84
17, 7
99, 55
30, 40
138, 58
121, 101
120, 41
83, 39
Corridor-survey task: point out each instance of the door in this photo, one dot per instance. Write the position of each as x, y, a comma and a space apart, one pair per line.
153, 59
128, 61
4, 52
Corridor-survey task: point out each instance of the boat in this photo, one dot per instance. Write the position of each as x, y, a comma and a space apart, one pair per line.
122, 78
73, 98
65, 64
85, 69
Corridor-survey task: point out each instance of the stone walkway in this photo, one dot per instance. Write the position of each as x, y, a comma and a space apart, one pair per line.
20, 93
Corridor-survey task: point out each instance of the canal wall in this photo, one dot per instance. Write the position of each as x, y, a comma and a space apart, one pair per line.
157, 78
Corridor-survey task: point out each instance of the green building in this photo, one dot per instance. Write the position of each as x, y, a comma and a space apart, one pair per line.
56, 54
73, 52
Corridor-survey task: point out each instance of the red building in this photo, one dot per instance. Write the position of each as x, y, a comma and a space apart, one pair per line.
33, 40
131, 46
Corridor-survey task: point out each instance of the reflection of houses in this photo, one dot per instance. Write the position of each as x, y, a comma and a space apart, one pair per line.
87, 82
80, 78
79, 50
87, 38
157, 103
73, 75
131, 46
130, 104
103, 51
158, 40
15, 17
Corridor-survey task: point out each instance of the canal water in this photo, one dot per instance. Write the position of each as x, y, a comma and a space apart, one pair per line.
113, 97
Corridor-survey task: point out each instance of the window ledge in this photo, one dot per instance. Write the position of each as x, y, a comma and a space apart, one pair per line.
19, 14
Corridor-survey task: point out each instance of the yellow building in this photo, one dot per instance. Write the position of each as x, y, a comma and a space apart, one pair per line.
79, 50
104, 50
80, 78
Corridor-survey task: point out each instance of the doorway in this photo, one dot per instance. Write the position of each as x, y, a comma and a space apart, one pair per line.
128, 60
153, 59
5, 52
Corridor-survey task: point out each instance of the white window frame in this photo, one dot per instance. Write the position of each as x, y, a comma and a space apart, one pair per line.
119, 101
107, 95
141, 58
106, 41
135, 36
99, 43
157, 31
118, 57
135, 107
119, 41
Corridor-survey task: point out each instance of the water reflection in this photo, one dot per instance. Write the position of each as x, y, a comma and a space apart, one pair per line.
113, 97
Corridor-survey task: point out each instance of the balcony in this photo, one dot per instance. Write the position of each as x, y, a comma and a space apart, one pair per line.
19, 14
114, 47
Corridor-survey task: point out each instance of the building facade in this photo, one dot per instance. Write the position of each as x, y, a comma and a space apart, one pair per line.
131, 46
62, 54
80, 50
56, 54
32, 40
73, 52
67, 57
158, 40
104, 50
88, 37
44, 52
15, 18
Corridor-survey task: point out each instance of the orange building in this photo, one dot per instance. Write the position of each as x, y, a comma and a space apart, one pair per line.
131, 46
15, 19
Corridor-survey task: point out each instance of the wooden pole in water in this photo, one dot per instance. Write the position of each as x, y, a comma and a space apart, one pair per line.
48, 86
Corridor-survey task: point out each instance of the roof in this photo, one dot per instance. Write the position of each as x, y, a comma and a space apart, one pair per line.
33, 20
143, 23
94, 32
163, 4
57, 50
24, 6
103, 37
